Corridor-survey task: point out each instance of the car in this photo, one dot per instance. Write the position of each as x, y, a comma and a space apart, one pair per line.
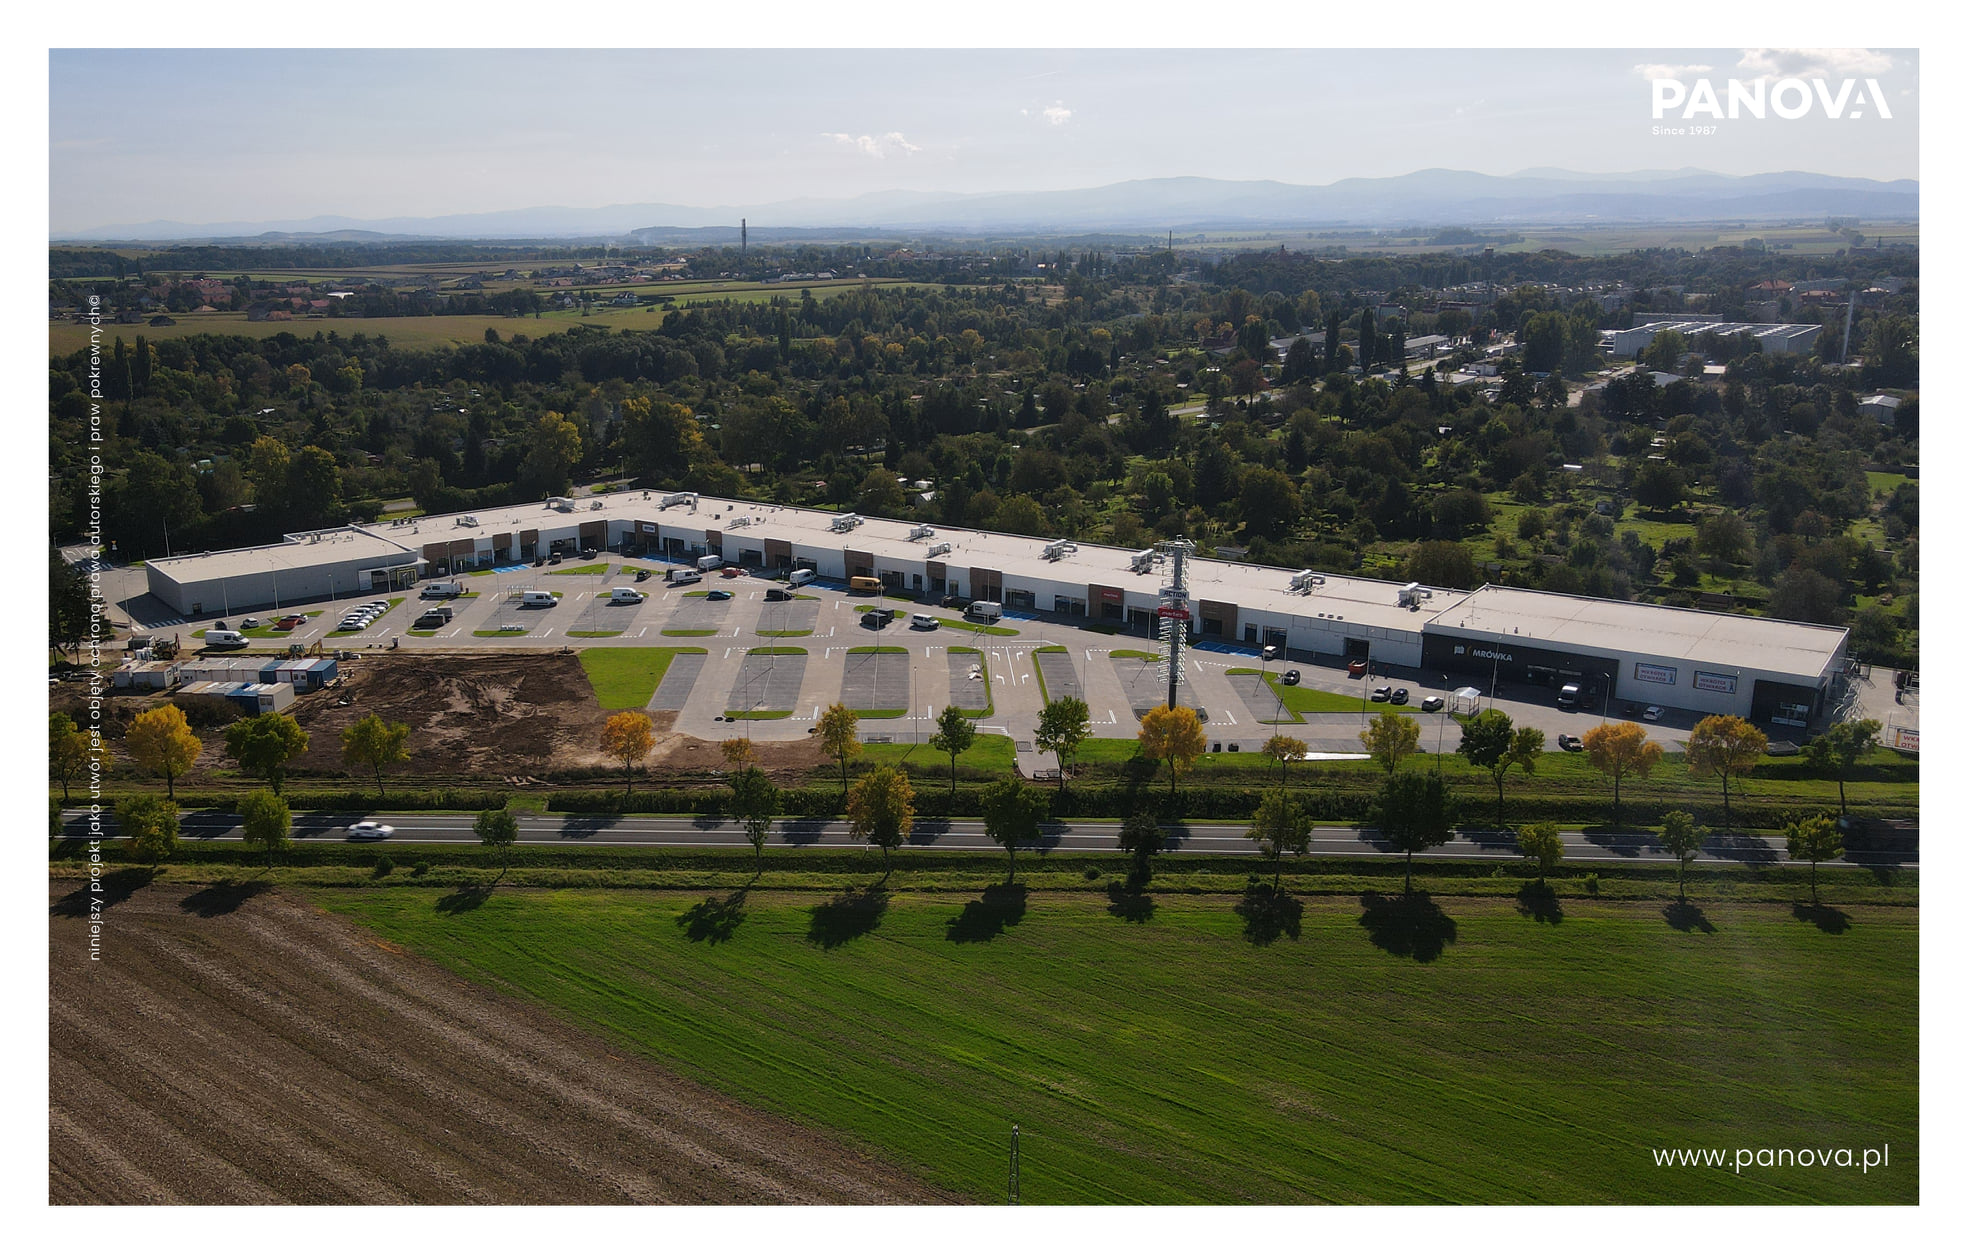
719, 594
873, 619
1381, 694
732, 572
426, 622
553, 559
370, 830
1652, 714
927, 621
1432, 704
289, 622
540, 562
778, 594
1291, 677
220, 626
248, 622
954, 603
1398, 698
590, 553
1570, 743
642, 573
1357, 668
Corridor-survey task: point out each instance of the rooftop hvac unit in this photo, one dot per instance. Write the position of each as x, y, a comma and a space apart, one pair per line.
939, 549
1058, 549
1142, 561
742, 520
1409, 595
560, 503
465, 520
677, 498
1305, 582
846, 523
922, 531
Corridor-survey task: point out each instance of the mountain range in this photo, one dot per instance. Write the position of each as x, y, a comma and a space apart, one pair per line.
1423, 198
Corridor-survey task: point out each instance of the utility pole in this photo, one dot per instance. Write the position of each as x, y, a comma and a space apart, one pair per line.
1012, 1180
1174, 613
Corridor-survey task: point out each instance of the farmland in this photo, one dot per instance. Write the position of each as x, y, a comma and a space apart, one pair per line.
1451, 1050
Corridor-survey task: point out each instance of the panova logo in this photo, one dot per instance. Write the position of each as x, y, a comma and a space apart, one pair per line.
1787, 98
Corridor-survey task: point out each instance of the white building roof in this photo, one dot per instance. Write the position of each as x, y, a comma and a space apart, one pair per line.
303, 549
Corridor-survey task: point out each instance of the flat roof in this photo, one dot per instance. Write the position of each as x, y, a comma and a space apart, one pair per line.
306, 549
1709, 637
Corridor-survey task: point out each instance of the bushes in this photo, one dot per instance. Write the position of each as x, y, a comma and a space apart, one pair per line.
353, 800
202, 710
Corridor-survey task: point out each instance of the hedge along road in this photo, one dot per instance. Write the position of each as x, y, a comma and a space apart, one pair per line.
1080, 836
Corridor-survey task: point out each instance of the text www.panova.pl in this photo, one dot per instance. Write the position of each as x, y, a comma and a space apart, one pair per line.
1866, 1159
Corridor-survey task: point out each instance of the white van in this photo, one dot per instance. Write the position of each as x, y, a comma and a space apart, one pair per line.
922, 620
624, 597
442, 588
679, 576
534, 599
988, 611
710, 562
216, 637
804, 575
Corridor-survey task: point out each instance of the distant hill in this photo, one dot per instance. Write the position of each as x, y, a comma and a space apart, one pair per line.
1423, 198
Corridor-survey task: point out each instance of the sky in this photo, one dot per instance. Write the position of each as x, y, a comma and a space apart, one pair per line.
238, 135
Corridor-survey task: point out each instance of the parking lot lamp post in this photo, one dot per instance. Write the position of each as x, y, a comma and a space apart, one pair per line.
274, 569
1442, 722
1606, 698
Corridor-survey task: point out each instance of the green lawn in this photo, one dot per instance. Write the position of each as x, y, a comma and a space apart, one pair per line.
1455, 1051
961, 625
877, 649
690, 632
593, 568
990, 753
626, 679
483, 632
776, 649
615, 633
1300, 700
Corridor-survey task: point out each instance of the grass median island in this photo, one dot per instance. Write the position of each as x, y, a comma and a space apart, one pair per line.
518, 631
877, 649
593, 568
961, 625
1300, 700
593, 634
689, 632
626, 679
1153, 1054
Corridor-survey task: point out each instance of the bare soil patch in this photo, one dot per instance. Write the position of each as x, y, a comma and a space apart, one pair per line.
240, 1046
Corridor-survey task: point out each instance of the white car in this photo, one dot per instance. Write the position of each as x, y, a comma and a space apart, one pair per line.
248, 622
1652, 714
370, 830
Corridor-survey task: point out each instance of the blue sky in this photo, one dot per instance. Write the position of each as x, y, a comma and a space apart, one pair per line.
241, 135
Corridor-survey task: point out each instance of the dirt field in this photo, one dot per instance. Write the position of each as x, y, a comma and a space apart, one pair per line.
231, 1048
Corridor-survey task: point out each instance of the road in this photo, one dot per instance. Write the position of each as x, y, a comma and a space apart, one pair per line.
1080, 836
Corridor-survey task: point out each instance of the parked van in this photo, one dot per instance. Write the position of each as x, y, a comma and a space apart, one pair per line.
922, 620
624, 597
538, 599
710, 562
442, 588
227, 639
864, 584
988, 611
802, 576
680, 576
1569, 697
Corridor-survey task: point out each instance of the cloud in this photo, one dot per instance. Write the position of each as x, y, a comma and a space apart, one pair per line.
876, 146
1813, 63
1055, 114
1671, 71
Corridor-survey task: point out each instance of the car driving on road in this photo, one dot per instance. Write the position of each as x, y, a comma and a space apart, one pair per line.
370, 830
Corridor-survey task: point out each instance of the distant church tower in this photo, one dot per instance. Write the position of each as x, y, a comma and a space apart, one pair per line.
741, 235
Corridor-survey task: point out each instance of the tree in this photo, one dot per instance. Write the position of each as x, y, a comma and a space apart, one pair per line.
1682, 836
1171, 735
68, 604
314, 488
266, 821
1143, 838
1832, 754
755, 801
1724, 746
1659, 486
1806, 596
1489, 741
1414, 814
163, 744
70, 749
954, 735
265, 744
498, 829
1284, 748
1064, 723
1278, 826
1269, 504
838, 737
1540, 844
1814, 838
1619, 750
150, 824
881, 808
551, 456
1442, 563
1012, 815
375, 744
737, 752
626, 739
1391, 738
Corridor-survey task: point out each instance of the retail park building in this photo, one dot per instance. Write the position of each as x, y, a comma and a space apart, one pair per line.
1765, 669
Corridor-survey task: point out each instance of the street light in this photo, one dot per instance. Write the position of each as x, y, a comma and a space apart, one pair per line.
1606, 698
1442, 722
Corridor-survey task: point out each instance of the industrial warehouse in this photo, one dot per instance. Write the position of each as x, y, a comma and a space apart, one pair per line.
1768, 670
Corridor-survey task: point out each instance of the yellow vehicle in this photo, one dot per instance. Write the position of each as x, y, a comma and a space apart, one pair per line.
864, 584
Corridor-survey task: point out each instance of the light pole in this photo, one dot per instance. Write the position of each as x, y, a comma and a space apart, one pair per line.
1606, 698
1442, 722
273, 568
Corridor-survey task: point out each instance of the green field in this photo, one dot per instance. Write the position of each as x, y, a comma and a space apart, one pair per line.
1450, 1050
626, 679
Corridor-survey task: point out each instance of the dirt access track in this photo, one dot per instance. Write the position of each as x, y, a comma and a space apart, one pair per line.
238, 1048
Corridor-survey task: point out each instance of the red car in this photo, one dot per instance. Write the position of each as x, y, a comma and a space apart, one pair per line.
290, 622
1357, 669
732, 572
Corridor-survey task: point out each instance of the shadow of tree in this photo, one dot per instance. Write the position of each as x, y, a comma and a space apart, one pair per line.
989, 914
1687, 917
117, 886
715, 919
848, 916
464, 898
1408, 926
1268, 916
1827, 919
1537, 900
222, 898
1127, 901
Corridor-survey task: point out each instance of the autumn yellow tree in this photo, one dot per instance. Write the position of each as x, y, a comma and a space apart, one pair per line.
881, 810
1619, 750
838, 737
737, 751
626, 739
1391, 738
1724, 746
1171, 735
1284, 748
162, 743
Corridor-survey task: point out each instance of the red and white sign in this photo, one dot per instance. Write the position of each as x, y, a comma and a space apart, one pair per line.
1173, 612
